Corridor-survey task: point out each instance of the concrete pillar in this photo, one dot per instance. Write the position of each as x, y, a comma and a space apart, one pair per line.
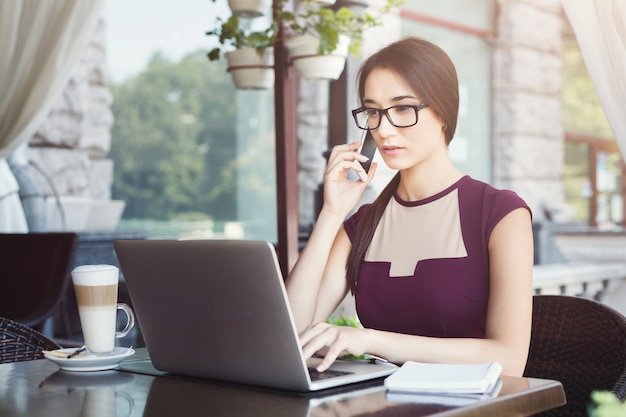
528, 134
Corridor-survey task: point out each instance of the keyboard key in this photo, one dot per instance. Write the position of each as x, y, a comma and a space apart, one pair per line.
330, 373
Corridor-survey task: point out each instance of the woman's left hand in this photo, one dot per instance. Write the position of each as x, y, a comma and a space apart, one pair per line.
332, 342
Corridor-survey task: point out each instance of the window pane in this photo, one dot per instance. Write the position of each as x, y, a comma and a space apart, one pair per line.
194, 157
608, 180
471, 147
578, 187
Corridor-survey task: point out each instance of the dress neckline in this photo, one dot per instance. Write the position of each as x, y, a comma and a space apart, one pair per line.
433, 197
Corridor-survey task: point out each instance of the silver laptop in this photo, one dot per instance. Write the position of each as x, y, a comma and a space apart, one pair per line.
218, 309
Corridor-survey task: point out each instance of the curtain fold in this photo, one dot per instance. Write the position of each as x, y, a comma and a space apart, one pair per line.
40, 44
600, 29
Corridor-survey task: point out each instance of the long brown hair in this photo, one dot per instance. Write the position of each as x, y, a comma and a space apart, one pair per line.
429, 71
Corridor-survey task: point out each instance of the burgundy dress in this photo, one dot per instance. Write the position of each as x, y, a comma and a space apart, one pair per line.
426, 271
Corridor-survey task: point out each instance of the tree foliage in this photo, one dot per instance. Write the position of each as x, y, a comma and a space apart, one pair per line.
172, 139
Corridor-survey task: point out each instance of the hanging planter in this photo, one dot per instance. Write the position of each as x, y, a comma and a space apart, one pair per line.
249, 55
358, 6
249, 8
250, 70
309, 63
323, 37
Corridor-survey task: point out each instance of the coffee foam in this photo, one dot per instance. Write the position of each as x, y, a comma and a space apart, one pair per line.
95, 275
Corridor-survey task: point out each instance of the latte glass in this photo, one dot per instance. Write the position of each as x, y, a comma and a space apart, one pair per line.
95, 287
103, 401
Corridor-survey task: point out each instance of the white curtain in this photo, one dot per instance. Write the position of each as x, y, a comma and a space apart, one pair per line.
40, 43
600, 29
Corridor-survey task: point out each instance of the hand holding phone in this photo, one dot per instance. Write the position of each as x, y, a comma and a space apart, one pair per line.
368, 149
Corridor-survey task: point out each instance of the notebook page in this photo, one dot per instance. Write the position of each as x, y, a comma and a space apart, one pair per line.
429, 377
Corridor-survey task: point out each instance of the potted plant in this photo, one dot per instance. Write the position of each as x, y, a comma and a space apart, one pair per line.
249, 8
606, 404
321, 38
249, 54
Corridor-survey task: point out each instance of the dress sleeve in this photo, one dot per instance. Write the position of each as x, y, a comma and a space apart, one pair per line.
504, 202
353, 222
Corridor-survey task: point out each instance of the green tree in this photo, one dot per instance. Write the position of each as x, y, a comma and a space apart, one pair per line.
172, 138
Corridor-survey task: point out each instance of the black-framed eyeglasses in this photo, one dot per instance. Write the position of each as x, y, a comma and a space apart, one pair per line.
403, 115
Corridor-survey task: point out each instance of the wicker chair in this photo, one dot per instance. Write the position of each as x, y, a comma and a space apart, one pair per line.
582, 344
21, 343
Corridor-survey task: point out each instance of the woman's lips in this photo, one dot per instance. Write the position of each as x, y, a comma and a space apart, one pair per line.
391, 150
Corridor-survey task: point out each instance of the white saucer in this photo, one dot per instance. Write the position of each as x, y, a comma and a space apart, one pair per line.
91, 362
86, 380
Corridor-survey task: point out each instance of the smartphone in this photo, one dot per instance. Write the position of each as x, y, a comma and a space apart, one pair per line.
368, 149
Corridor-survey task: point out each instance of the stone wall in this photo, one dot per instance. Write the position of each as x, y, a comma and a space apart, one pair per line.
528, 135
312, 113
71, 146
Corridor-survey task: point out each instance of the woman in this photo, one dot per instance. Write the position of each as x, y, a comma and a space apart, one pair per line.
440, 264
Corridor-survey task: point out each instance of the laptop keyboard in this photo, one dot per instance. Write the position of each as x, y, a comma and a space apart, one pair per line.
316, 375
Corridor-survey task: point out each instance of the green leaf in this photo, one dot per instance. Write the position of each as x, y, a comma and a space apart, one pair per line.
606, 404
231, 36
214, 54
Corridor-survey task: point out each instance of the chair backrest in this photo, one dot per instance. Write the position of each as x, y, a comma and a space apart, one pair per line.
21, 343
582, 344
34, 274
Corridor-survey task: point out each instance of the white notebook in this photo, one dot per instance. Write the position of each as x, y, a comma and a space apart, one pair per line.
448, 378
443, 397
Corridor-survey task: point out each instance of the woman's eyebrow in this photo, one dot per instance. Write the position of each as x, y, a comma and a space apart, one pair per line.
394, 99
399, 98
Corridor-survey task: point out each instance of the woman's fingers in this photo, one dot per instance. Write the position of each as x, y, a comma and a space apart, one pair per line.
344, 158
340, 193
320, 340
327, 340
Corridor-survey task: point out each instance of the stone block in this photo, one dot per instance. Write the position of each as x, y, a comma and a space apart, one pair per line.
67, 169
94, 57
524, 24
533, 114
61, 128
527, 156
535, 71
96, 127
96, 140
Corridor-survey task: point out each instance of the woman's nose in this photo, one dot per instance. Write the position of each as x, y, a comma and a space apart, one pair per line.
385, 128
